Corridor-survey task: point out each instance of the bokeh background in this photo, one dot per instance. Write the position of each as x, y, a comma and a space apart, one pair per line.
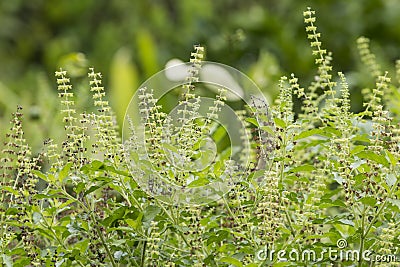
128, 41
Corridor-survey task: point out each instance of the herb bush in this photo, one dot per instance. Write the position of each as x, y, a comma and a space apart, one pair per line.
324, 177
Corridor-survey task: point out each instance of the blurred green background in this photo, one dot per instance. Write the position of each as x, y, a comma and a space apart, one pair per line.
128, 41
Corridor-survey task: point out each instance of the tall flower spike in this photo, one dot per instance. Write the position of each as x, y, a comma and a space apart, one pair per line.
367, 57
106, 133
74, 146
186, 132
323, 57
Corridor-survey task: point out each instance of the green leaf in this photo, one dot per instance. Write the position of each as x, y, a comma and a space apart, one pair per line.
12, 211
280, 123
40, 175
79, 187
64, 172
230, 260
219, 134
92, 189
169, 147
359, 178
307, 133
329, 131
253, 121
82, 245
302, 168
116, 215
361, 138
150, 213
393, 160
103, 179
120, 172
374, 157
357, 149
44, 196
282, 263
268, 129
347, 222
218, 237
370, 201
96, 165
327, 203
135, 224
119, 213
390, 179
10, 189
199, 182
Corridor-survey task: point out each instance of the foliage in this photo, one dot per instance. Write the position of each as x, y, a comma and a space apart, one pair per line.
131, 40
328, 175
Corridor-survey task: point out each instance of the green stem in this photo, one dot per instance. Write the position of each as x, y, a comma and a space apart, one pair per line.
103, 241
378, 213
142, 262
363, 235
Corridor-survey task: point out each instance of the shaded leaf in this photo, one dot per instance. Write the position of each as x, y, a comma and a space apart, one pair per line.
233, 261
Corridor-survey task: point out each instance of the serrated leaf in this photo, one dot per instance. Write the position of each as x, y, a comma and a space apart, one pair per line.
117, 214
41, 196
280, 123
268, 129
359, 178
347, 222
390, 179
374, 157
392, 159
357, 149
199, 182
12, 211
253, 121
307, 133
230, 260
40, 175
150, 213
169, 147
79, 187
96, 165
361, 138
135, 224
302, 168
11, 190
370, 201
91, 189
329, 131
64, 172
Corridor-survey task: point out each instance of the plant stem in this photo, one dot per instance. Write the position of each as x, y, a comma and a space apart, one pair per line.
103, 241
142, 262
